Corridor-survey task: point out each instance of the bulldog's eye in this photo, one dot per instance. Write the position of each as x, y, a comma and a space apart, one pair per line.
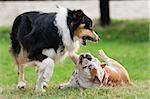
81, 56
84, 67
89, 67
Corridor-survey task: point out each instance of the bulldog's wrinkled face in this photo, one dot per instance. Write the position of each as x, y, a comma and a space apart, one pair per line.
89, 67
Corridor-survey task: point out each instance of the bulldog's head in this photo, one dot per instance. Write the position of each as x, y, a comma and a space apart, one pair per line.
90, 68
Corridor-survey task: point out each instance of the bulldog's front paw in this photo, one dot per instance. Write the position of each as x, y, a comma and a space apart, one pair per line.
21, 84
101, 52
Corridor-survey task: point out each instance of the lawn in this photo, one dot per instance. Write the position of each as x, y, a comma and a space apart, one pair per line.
124, 40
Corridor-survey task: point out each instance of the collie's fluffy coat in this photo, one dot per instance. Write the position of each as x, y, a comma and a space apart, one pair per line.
42, 39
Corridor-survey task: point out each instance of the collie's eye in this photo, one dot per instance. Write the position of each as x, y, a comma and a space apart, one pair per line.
88, 27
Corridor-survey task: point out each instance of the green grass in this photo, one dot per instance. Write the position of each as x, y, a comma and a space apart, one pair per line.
133, 54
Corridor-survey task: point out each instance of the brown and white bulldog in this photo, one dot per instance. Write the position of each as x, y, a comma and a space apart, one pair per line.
90, 72
117, 74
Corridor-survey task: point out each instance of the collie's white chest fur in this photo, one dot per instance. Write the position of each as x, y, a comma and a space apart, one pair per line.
71, 46
60, 54
56, 56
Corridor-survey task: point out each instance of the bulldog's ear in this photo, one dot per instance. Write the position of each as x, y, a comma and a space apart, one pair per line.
103, 65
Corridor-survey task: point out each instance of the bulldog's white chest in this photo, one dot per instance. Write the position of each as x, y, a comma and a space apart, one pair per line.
78, 81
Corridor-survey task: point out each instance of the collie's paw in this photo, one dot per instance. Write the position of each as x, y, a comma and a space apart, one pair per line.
61, 86
45, 85
40, 90
21, 84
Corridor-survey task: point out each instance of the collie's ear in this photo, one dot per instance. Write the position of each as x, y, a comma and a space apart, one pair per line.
78, 14
58, 6
61, 8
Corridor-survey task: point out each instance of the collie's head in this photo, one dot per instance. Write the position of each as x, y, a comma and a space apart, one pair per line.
81, 26
78, 23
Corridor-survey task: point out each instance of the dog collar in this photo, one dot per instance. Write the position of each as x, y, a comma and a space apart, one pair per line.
104, 76
102, 72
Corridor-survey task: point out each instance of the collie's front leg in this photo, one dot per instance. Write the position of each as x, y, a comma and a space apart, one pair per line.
74, 57
45, 71
21, 82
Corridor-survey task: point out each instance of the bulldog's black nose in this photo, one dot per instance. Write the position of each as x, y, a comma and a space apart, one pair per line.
88, 57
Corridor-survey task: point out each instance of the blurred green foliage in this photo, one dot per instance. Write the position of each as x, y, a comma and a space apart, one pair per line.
125, 30
122, 30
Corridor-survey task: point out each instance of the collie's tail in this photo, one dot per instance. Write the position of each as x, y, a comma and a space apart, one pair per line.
15, 46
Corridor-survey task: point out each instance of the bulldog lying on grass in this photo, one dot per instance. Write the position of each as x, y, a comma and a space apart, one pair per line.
90, 72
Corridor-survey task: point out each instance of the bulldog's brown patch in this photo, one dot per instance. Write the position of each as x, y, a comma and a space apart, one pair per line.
81, 31
94, 73
117, 77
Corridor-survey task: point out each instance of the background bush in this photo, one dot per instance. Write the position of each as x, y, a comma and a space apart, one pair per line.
125, 30
122, 30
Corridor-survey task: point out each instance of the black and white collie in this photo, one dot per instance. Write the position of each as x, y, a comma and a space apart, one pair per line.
43, 39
